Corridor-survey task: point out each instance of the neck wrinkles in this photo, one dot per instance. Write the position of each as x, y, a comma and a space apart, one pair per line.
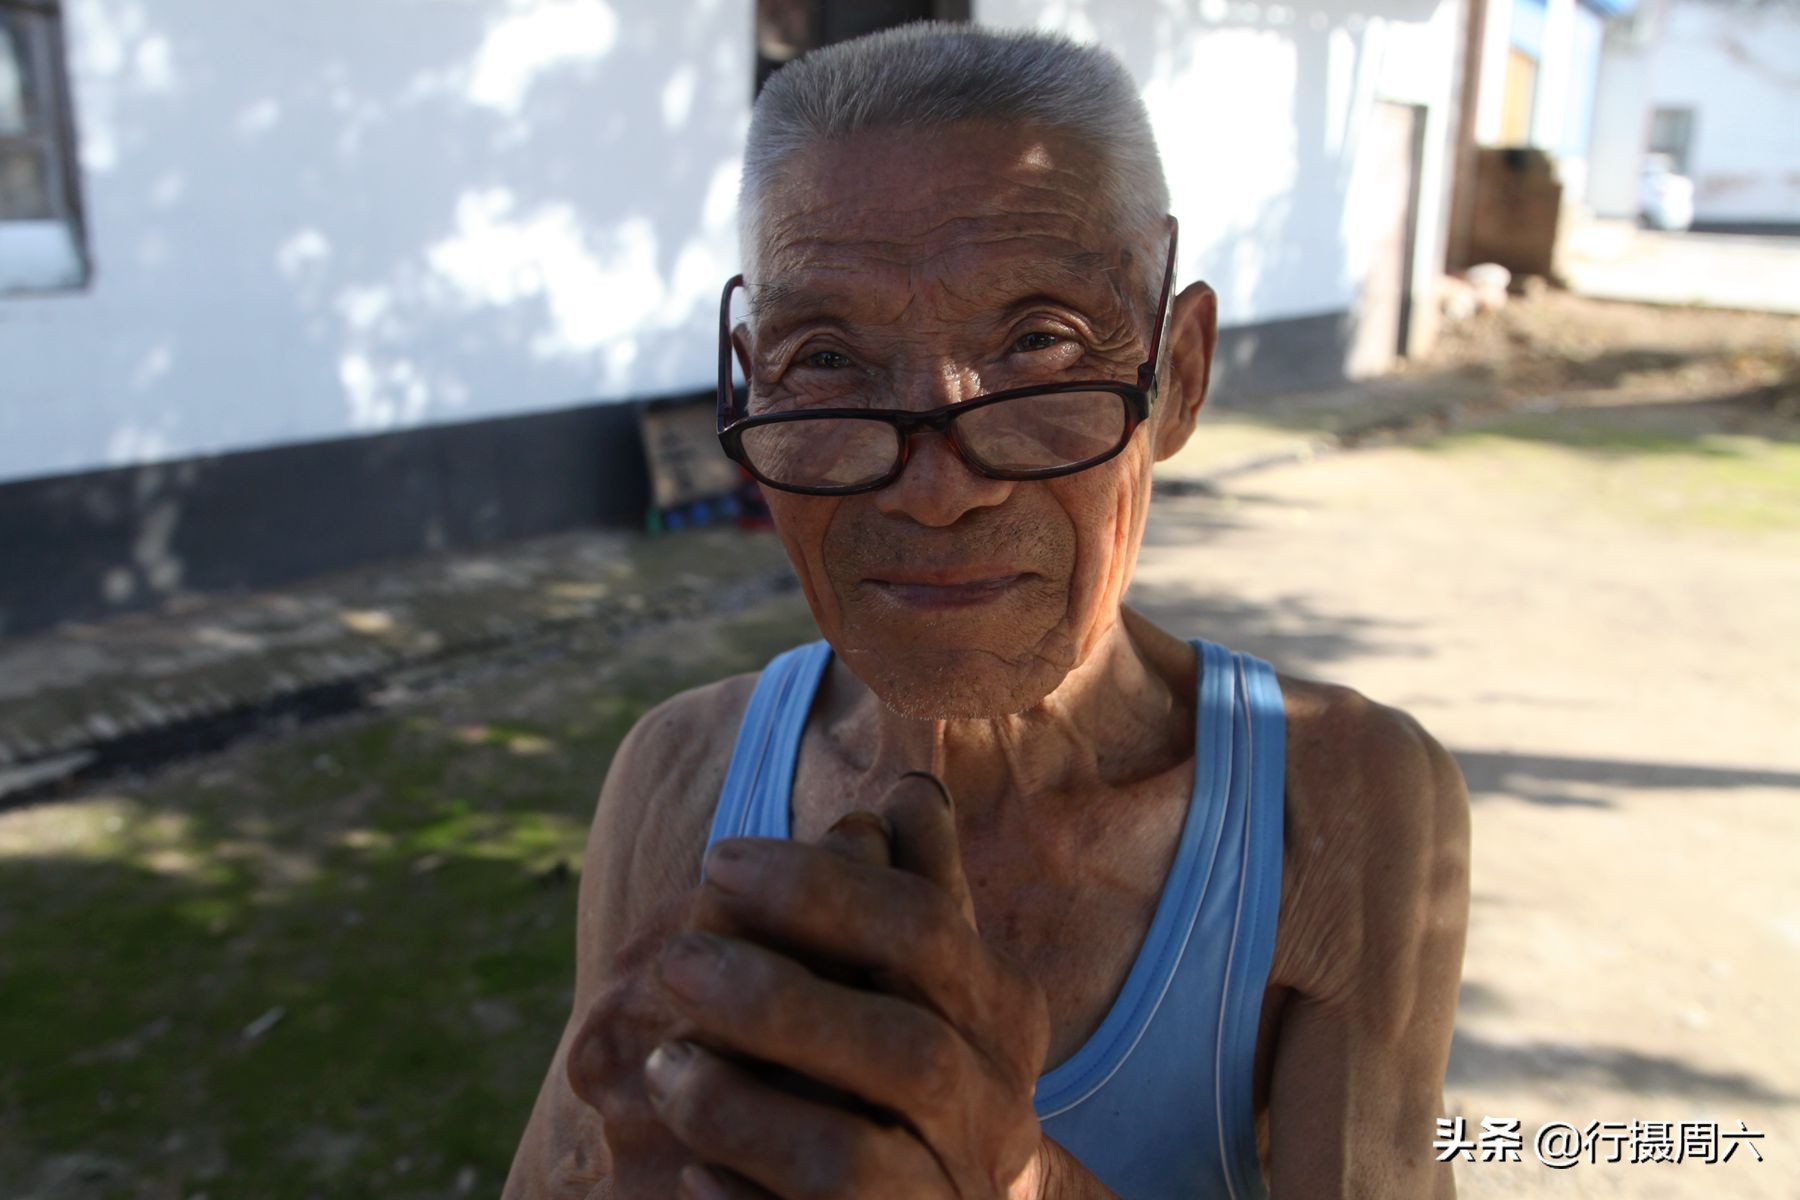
1124, 715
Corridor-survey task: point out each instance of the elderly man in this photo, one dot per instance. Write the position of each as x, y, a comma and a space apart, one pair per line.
963, 354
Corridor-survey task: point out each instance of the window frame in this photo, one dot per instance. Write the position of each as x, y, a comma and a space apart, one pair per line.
50, 100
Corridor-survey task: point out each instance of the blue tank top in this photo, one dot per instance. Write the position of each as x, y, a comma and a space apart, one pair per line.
1158, 1102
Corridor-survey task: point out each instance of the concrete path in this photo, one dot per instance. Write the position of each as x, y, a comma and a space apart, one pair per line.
84, 701
1613, 260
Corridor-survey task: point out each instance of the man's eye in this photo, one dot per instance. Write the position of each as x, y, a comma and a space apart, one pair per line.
1037, 341
829, 360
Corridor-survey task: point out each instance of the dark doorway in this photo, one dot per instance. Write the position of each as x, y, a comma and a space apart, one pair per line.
1395, 137
786, 29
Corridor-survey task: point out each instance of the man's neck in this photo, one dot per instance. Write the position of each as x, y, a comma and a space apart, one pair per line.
1125, 714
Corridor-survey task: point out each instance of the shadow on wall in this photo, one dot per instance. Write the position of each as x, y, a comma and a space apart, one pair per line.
355, 219
345, 219
372, 217
1260, 111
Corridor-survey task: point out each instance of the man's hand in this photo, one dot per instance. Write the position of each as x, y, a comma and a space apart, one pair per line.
606, 1059
634, 1015
930, 1068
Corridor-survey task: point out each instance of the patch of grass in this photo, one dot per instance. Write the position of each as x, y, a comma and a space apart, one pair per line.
331, 966
1630, 466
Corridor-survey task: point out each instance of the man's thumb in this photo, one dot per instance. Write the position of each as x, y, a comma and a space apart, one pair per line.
919, 810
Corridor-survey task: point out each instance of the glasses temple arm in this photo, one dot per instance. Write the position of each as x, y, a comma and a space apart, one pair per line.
724, 398
1147, 372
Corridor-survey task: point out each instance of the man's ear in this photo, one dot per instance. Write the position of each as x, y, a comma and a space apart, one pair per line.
740, 342
1193, 337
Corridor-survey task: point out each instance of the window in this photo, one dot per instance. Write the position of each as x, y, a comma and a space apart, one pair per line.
786, 29
1672, 133
40, 210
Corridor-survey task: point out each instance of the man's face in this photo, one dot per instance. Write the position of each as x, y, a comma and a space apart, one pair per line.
922, 269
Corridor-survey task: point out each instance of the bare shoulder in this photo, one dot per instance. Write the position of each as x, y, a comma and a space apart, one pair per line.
1340, 737
644, 848
656, 807
1376, 845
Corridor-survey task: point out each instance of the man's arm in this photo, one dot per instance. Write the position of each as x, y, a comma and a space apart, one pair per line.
643, 851
1371, 943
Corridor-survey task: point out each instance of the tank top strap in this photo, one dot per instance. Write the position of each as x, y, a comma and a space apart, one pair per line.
754, 799
1261, 731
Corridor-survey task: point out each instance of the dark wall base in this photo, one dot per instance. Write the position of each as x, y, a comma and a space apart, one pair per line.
86, 546
79, 547
1749, 228
1295, 355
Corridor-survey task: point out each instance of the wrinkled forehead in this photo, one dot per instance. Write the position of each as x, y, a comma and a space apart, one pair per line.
924, 214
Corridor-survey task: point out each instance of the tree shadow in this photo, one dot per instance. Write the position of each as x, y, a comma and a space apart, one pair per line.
307, 231
337, 964
1477, 1061
248, 1012
1478, 999
1290, 631
1561, 782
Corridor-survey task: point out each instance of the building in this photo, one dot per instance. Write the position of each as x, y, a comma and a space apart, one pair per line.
1711, 84
1530, 126
1540, 68
1725, 108
288, 288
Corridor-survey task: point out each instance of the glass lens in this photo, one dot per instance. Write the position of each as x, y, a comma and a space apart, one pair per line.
1034, 433
824, 452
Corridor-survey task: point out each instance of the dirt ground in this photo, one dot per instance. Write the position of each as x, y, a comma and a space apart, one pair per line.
1583, 576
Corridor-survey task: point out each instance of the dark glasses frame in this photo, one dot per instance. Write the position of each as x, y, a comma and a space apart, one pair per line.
1137, 398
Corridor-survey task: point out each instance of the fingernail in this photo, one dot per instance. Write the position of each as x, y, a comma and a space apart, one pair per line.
690, 964
664, 1068
698, 1183
943, 792
863, 817
733, 865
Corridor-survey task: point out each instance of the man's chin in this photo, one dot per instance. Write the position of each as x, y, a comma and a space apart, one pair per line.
953, 682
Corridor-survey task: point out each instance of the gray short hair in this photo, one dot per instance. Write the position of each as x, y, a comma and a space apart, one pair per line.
932, 74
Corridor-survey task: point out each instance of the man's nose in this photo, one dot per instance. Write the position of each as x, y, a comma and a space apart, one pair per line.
937, 488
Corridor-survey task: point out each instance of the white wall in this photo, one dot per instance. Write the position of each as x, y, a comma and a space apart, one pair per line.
1622, 113
313, 220
1259, 111
1575, 136
1556, 65
1490, 102
1565, 36
1740, 72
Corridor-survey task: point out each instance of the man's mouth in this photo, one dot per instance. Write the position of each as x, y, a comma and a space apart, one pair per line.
955, 588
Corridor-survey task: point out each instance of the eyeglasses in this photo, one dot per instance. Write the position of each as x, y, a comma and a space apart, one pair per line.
1023, 433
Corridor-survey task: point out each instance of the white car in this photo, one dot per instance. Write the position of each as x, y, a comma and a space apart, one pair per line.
1664, 197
